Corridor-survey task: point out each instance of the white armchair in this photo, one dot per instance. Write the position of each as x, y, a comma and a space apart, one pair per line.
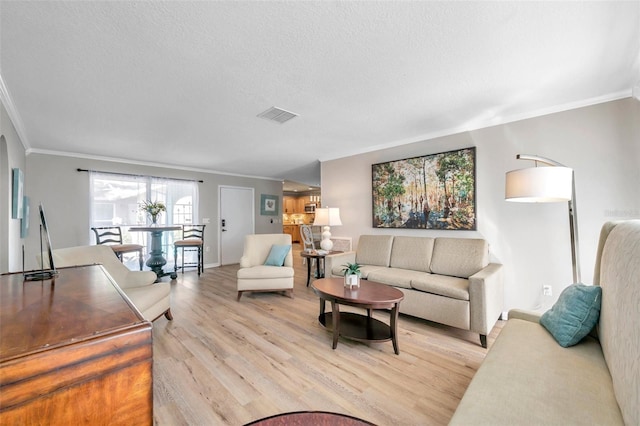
152, 300
254, 275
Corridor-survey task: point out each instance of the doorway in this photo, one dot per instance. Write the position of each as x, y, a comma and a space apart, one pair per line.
237, 219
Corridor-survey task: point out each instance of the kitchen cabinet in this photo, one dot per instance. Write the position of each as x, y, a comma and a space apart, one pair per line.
294, 231
290, 205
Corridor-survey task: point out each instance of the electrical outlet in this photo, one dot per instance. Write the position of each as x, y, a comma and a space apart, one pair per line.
546, 290
206, 220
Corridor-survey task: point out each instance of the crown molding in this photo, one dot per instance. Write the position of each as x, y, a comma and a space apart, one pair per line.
12, 111
495, 121
141, 163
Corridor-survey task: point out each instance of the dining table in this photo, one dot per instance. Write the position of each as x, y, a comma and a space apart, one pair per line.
156, 260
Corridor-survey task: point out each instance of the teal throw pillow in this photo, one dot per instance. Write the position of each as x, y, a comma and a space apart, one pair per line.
574, 314
277, 255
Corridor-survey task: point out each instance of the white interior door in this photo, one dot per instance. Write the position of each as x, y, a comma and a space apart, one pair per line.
236, 221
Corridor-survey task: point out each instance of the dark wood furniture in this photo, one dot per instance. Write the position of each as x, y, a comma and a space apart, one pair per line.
73, 350
370, 295
319, 257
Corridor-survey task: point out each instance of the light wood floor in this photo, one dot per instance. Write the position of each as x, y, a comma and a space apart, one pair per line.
223, 362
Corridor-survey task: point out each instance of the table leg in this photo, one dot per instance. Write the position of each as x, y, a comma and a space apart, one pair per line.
335, 316
308, 270
394, 328
156, 261
322, 306
318, 275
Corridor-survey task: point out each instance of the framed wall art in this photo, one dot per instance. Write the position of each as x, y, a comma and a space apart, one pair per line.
17, 195
269, 205
24, 222
435, 191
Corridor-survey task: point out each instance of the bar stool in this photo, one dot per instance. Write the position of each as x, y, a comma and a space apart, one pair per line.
112, 236
192, 240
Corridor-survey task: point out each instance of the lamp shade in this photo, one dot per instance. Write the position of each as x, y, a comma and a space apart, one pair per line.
327, 216
539, 185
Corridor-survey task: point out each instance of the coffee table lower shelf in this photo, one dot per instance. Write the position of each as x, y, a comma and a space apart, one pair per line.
358, 327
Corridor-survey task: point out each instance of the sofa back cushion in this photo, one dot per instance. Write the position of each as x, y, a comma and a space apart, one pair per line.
619, 319
374, 250
412, 253
258, 246
459, 257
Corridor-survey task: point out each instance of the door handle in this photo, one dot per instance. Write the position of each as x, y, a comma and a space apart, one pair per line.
224, 230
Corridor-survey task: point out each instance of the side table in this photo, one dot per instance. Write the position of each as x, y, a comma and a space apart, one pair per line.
319, 257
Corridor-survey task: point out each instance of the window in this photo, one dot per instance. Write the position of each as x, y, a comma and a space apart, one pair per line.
116, 199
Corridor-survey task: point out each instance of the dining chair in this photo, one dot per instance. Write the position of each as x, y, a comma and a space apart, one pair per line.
192, 240
112, 236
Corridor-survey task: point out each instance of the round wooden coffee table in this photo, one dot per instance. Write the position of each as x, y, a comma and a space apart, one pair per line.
370, 295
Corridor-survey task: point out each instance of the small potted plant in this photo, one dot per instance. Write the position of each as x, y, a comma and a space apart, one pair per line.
153, 209
351, 275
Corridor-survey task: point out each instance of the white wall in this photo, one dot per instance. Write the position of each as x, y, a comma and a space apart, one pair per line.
64, 192
12, 155
601, 143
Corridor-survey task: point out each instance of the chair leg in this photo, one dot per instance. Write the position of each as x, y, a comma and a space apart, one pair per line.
199, 258
168, 314
239, 296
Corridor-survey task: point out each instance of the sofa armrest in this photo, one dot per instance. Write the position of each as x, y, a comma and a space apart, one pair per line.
522, 314
486, 298
137, 279
333, 260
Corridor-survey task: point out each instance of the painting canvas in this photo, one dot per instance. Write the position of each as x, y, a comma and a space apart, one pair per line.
269, 205
436, 191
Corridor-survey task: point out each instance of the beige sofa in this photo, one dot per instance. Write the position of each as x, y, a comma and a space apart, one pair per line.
528, 378
446, 280
152, 300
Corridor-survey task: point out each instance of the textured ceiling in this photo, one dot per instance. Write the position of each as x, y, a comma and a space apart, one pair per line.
181, 83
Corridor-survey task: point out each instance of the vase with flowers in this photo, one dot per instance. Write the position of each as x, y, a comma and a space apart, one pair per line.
153, 209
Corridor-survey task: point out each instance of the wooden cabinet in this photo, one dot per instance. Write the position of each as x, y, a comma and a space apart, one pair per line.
289, 205
73, 351
294, 231
301, 201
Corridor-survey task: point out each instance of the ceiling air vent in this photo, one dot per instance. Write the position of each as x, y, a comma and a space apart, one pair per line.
277, 114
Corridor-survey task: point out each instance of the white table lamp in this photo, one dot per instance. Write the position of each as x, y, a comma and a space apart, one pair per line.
547, 185
327, 217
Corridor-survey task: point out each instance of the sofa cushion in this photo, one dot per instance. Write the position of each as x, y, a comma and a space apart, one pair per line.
459, 257
527, 378
265, 272
619, 319
412, 253
277, 255
374, 250
454, 287
395, 276
574, 314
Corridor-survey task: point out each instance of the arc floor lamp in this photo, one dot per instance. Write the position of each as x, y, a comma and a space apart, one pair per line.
545, 185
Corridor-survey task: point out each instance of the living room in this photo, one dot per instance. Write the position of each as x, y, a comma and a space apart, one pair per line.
595, 132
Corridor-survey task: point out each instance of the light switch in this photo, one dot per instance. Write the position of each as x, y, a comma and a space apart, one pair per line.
206, 220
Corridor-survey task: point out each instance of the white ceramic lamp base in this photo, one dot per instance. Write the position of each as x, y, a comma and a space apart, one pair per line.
326, 243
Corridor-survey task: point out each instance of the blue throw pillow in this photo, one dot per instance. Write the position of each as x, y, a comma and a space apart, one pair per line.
574, 314
277, 255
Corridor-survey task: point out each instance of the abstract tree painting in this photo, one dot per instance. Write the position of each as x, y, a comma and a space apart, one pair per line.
436, 191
